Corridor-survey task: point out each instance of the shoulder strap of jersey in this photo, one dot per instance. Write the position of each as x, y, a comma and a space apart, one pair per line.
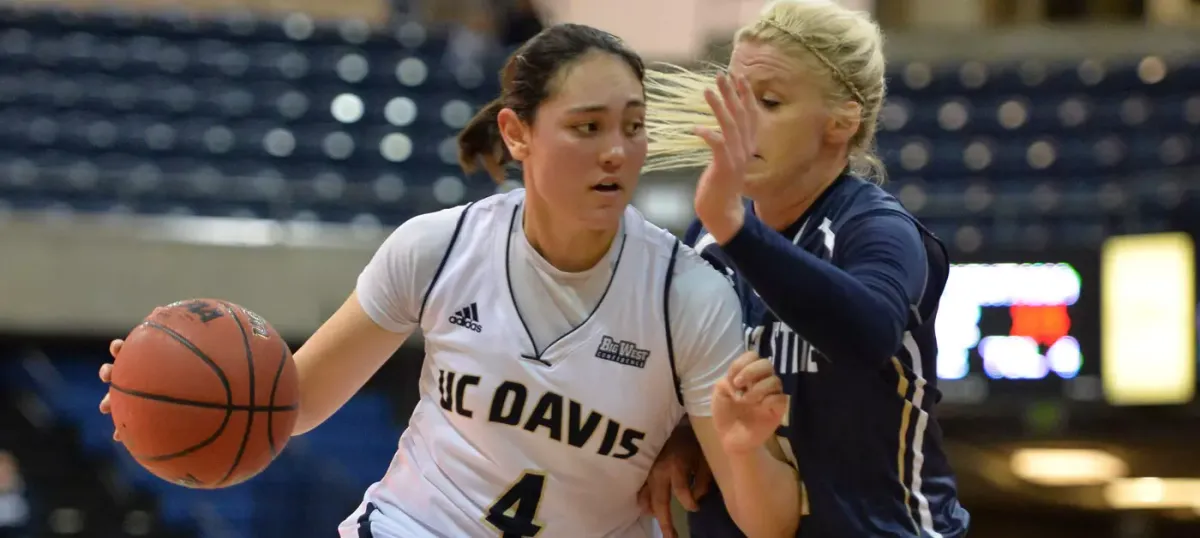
937, 274
667, 320
445, 257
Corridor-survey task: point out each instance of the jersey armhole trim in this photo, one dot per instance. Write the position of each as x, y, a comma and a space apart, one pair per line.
442, 265
667, 322
936, 259
915, 308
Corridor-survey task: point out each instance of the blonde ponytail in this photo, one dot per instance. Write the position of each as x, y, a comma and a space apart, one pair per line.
675, 106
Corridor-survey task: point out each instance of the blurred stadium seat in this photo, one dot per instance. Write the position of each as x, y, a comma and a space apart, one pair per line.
289, 119
297, 118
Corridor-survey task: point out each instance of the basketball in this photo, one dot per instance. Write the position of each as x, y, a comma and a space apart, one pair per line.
204, 393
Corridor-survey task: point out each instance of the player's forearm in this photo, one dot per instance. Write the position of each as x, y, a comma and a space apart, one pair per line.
764, 499
338, 360
323, 390
830, 308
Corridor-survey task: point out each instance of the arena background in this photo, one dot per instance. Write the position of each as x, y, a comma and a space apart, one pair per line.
259, 150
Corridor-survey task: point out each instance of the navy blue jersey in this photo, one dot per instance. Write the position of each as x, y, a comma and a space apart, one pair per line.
846, 313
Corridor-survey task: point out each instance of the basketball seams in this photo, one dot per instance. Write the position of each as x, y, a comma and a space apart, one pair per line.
225, 384
237, 459
203, 405
220, 375
200, 354
283, 357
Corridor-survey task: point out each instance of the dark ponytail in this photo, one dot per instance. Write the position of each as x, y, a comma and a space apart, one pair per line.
480, 143
525, 82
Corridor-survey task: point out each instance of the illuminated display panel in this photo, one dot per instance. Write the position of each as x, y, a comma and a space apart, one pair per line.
1148, 319
1020, 321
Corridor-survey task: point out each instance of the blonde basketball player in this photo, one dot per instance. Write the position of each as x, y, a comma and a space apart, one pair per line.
840, 284
565, 335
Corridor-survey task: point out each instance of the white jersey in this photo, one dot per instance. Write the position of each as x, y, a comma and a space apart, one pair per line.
515, 437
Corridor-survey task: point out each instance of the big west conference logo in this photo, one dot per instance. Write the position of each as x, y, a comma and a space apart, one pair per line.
623, 352
467, 317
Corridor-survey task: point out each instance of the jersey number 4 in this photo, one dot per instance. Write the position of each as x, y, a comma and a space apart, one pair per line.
514, 514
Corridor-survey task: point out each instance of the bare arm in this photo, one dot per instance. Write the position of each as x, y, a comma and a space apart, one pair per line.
377, 318
762, 492
338, 360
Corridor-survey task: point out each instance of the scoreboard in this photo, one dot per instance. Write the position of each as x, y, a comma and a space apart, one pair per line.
1015, 320
1020, 324
1116, 324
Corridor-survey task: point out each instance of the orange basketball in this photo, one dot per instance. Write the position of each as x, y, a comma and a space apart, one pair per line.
204, 393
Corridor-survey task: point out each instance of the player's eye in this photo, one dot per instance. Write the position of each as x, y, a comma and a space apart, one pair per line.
768, 103
634, 128
587, 128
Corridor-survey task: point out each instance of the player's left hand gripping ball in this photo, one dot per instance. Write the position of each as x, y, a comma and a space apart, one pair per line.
748, 404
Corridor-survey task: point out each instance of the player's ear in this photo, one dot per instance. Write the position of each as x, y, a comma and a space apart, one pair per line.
843, 123
515, 132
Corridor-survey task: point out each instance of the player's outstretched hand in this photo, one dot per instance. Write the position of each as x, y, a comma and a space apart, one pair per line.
718, 201
748, 404
680, 469
114, 347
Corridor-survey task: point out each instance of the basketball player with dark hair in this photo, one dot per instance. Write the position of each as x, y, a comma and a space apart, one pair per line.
565, 335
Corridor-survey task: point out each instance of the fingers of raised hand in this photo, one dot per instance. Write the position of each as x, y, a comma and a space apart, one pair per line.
723, 389
733, 92
757, 381
740, 363
750, 111
715, 141
722, 143
752, 372
777, 404
718, 102
731, 115
114, 347
767, 386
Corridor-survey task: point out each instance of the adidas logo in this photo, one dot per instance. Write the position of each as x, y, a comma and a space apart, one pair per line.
467, 317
